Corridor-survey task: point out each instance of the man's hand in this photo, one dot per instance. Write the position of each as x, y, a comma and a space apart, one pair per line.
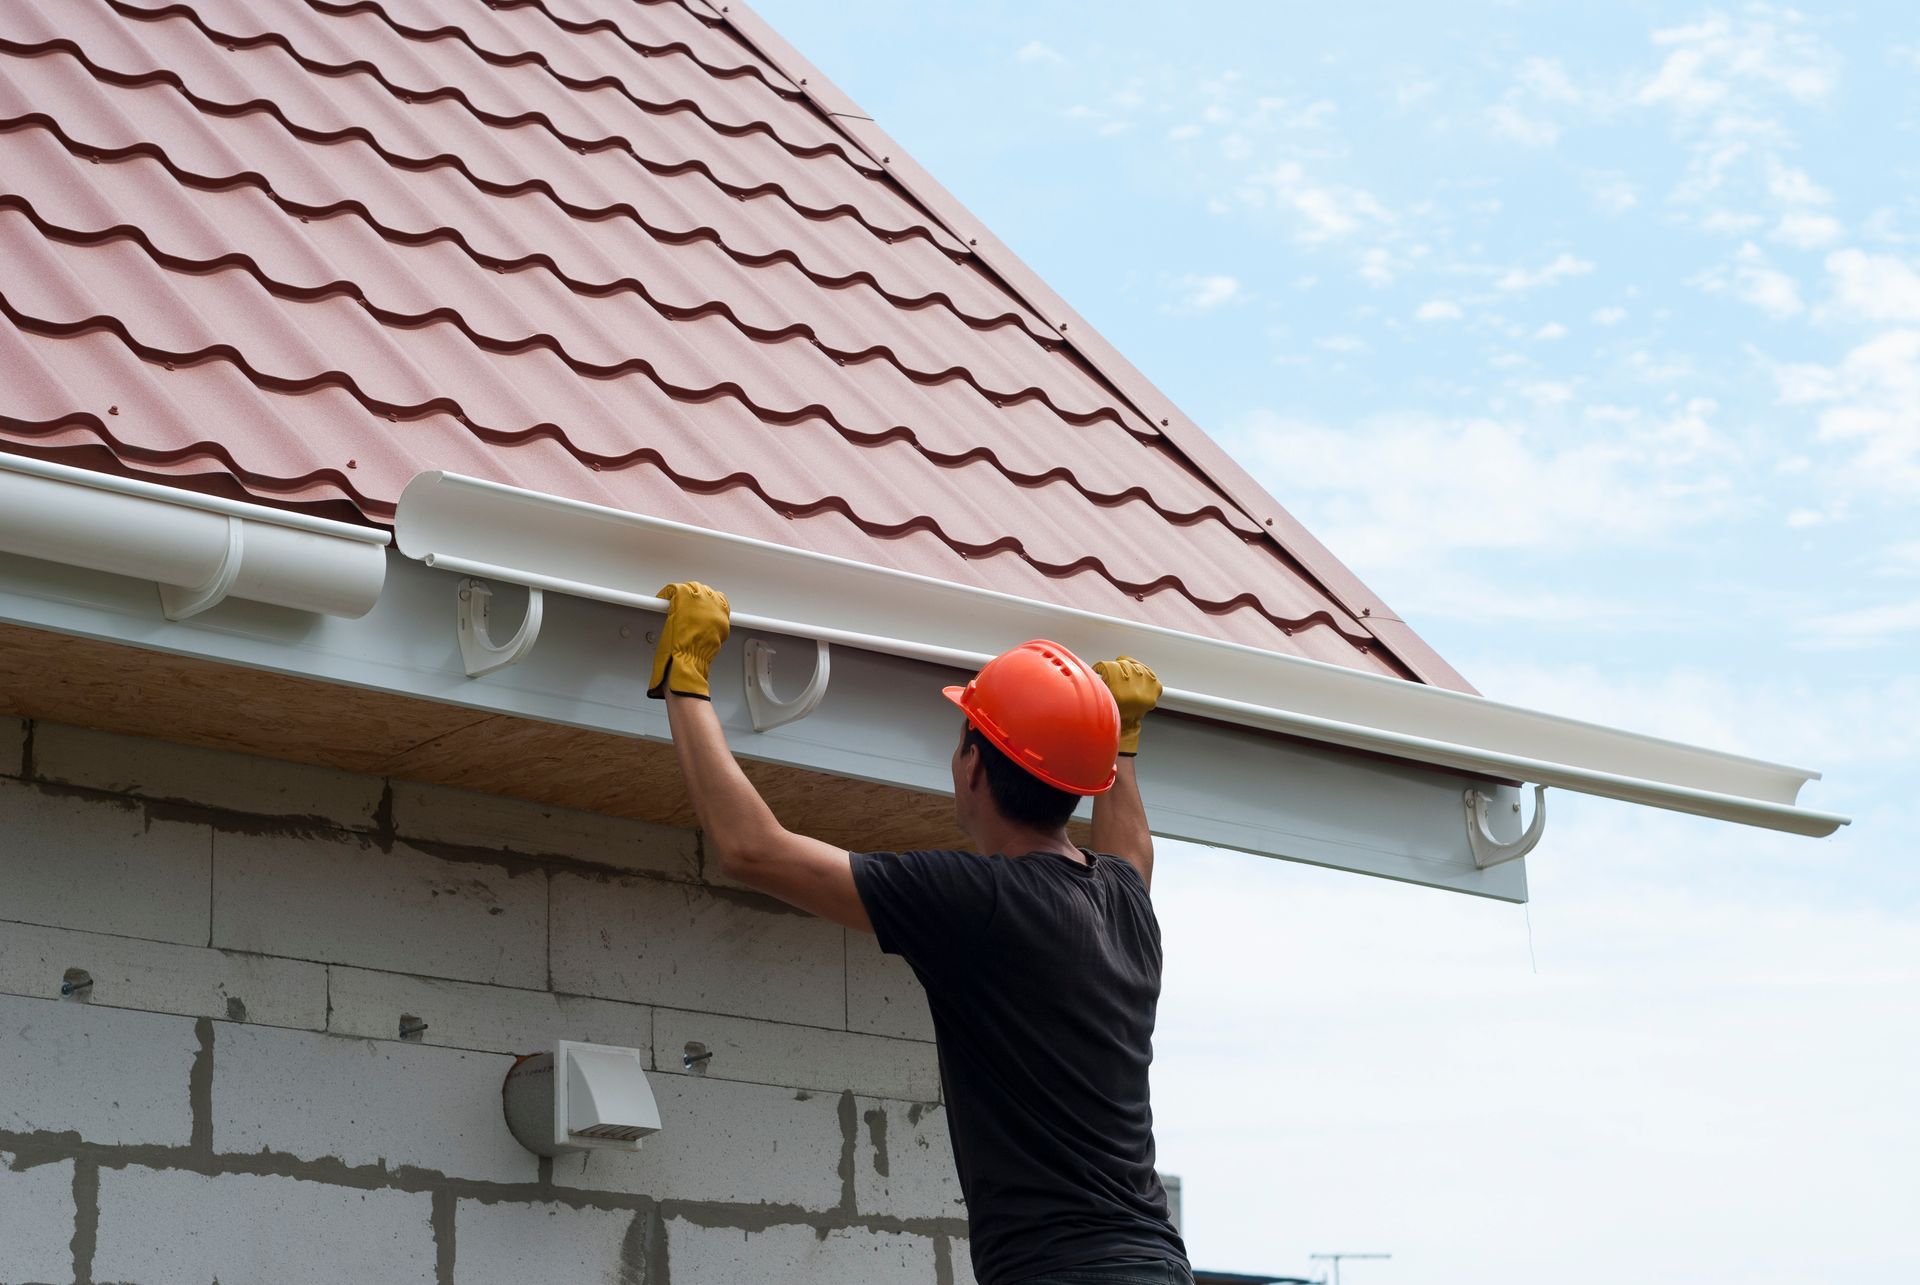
1135, 690
694, 631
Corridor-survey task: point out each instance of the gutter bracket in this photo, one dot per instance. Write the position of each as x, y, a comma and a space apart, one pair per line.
1489, 851
768, 710
179, 603
478, 651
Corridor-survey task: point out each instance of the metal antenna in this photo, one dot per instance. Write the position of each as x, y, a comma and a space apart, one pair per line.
1335, 1260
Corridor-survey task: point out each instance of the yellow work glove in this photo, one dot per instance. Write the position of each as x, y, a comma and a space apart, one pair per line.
1135, 690
696, 626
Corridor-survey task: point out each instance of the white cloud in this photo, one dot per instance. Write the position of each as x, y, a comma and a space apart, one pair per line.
1324, 211
1373, 490
1612, 316
1344, 344
1872, 404
1038, 51
1714, 61
1564, 265
1511, 122
1792, 187
1205, 293
1805, 231
1181, 132
1438, 310
1376, 267
1800, 519
1614, 193
1552, 330
1863, 627
1876, 287
1752, 280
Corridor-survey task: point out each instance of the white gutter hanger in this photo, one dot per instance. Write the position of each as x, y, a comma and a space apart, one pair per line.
480, 528
199, 549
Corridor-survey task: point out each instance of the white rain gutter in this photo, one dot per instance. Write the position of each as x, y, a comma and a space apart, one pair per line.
485, 529
199, 549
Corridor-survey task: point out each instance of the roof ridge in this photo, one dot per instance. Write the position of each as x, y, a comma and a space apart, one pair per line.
1295, 542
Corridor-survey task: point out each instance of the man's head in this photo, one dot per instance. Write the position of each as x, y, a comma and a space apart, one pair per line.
1042, 731
984, 778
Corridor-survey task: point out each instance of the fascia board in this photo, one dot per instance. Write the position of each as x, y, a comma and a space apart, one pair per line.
571, 547
882, 718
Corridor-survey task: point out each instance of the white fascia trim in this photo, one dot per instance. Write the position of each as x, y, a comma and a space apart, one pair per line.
567, 546
199, 549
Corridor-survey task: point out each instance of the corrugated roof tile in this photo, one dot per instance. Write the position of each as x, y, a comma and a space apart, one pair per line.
600, 249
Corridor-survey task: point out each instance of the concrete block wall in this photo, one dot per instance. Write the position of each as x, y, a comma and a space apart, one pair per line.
231, 1097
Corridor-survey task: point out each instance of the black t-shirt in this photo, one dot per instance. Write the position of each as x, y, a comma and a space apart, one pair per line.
1042, 975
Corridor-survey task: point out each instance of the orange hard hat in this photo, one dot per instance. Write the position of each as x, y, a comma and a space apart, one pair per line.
1048, 711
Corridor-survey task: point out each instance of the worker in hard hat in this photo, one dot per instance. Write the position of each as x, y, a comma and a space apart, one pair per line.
1040, 959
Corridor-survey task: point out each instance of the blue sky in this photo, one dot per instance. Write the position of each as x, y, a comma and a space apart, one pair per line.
1590, 337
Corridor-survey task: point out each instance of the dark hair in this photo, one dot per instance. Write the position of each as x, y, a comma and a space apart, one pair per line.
1021, 796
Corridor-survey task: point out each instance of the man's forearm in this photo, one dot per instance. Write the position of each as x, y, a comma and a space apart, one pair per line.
731, 812
1120, 822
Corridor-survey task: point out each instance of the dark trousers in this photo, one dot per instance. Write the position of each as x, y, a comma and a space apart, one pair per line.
1145, 1271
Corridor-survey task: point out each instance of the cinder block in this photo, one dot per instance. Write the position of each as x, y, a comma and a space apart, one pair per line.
509, 1244
692, 947
444, 815
739, 1143
883, 995
162, 1225
903, 1162
960, 1256
800, 1057
341, 899
109, 1075
364, 1102
101, 866
36, 1220
13, 745
211, 778
795, 1255
161, 977
496, 1019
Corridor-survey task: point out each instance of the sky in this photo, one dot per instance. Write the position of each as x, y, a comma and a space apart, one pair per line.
1589, 337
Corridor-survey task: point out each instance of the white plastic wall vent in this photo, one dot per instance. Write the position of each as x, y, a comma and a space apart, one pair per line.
578, 1097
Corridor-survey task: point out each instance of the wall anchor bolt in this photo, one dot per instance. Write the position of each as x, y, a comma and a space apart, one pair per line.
72, 987
413, 1027
689, 1060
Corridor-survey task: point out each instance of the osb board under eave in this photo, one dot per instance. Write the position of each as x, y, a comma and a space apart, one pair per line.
85, 683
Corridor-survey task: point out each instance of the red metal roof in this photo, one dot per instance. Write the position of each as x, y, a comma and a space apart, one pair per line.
602, 248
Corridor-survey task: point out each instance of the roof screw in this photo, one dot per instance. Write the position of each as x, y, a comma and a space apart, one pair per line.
973, 240
1063, 325
353, 463
113, 410
1269, 521
653, 635
1366, 611
803, 80
626, 631
1163, 423
886, 160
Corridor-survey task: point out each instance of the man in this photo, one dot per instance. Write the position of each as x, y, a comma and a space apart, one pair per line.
1041, 960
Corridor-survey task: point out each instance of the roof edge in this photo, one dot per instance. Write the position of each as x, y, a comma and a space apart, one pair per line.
1207, 455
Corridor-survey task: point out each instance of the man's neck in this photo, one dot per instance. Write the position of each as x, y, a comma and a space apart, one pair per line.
1019, 840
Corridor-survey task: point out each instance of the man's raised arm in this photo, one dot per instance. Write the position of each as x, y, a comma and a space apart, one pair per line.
1119, 816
